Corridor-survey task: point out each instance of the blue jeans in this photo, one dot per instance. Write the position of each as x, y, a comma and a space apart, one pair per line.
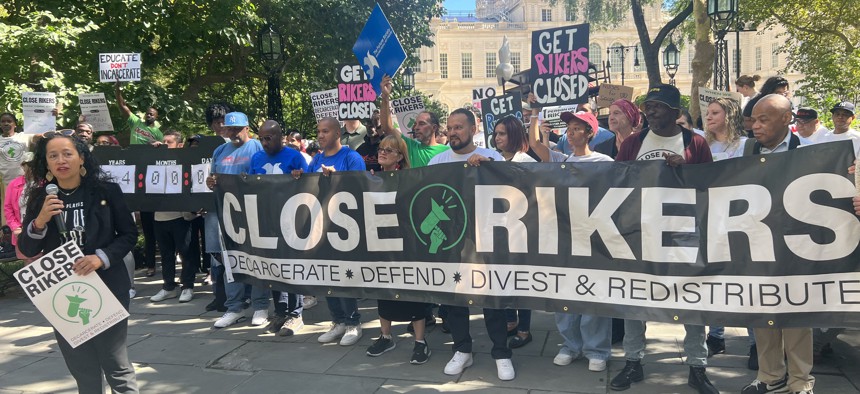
586, 334
694, 343
344, 310
523, 317
236, 294
719, 332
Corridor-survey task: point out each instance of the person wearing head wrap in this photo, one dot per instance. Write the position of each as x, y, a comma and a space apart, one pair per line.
624, 117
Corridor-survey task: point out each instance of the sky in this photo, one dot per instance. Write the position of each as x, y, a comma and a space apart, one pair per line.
460, 5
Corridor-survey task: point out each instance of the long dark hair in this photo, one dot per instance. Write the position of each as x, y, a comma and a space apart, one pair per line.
518, 140
95, 177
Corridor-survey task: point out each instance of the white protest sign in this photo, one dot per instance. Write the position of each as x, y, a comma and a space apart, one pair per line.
707, 95
38, 110
481, 93
406, 109
119, 67
94, 110
79, 307
552, 115
325, 104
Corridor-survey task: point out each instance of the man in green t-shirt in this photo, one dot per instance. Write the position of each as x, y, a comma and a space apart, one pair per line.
426, 128
142, 132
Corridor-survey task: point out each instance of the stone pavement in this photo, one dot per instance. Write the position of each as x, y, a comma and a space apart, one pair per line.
175, 350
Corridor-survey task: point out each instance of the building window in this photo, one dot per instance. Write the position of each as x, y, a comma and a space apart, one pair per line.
758, 58
640, 56
466, 65
615, 57
595, 56
546, 15
691, 53
443, 65
417, 67
774, 55
491, 65
569, 15
515, 61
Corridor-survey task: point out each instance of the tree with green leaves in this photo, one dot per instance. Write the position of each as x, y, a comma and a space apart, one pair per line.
193, 51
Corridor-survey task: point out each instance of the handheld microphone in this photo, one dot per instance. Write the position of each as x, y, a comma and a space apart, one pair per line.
52, 189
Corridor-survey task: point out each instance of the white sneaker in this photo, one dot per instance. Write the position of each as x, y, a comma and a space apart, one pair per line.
505, 369
309, 302
163, 295
564, 357
334, 333
351, 336
132, 292
458, 363
260, 317
229, 319
186, 295
596, 365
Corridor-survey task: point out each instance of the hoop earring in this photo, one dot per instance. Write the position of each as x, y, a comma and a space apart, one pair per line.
49, 176
83, 171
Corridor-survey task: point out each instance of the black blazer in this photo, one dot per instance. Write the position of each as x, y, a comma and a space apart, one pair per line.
109, 227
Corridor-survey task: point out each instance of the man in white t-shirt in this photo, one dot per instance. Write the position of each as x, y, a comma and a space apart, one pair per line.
461, 128
808, 125
842, 115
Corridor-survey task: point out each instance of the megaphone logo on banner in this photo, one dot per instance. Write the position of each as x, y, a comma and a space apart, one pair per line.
443, 225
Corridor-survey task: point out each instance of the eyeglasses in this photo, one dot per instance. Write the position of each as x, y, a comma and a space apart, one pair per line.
388, 151
64, 132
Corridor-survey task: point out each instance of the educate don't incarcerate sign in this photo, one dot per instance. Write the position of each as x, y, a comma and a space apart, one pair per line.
560, 65
123, 67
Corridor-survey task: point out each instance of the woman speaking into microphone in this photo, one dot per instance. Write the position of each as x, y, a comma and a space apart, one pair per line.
77, 202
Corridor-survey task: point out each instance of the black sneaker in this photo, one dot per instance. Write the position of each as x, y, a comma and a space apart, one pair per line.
445, 328
759, 387
752, 362
275, 324
699, 381
380, 346
715, 345
420, 353
631, 373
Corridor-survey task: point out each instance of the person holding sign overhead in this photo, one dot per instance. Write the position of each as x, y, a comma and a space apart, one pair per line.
92, 212
142, 132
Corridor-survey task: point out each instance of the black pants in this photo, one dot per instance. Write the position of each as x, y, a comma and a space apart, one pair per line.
198, 245
105, 354
173, 236
497, 329
147, 224
293, 307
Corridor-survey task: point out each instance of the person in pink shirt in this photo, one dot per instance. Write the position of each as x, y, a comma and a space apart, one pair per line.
14, 204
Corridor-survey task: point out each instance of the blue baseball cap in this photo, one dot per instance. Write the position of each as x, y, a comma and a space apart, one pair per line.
235, 119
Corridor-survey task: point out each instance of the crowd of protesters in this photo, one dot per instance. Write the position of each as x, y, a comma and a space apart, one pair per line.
658, 129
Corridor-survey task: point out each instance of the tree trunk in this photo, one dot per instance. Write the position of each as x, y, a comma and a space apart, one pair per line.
703, 61
651, 50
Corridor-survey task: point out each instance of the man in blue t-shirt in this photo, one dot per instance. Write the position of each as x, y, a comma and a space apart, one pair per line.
346, 321
234, 157
276, 159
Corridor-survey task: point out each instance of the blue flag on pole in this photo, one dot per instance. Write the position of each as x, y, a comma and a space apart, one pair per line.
378, 50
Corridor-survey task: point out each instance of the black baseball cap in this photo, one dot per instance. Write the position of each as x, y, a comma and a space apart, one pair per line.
806, 114
845, 105
666, 94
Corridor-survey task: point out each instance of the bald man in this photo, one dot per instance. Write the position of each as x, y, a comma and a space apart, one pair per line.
346, 321
784, 354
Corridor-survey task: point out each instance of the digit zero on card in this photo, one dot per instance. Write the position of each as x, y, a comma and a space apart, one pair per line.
124, 67
560, 65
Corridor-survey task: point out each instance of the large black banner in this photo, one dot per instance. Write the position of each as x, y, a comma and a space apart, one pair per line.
758, 241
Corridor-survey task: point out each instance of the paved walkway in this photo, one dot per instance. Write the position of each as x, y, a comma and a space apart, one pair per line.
175, 350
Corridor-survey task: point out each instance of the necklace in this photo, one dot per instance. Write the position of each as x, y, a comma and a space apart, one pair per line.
65, 193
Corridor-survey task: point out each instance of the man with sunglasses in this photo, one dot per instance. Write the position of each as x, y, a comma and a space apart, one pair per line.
808, 125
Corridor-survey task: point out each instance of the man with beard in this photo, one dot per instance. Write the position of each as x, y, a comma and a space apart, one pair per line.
425, 130
461, 128
142, 132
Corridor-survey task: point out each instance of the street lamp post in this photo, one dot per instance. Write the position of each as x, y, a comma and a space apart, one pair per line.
671, 60
407, 79
722, 14
621, 49
270, 49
